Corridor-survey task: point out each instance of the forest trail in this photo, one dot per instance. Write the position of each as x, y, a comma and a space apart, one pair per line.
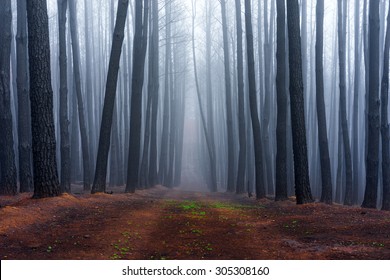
171, 224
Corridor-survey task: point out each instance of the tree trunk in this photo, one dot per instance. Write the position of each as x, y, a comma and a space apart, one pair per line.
370, 195
260, 190
326, 177
281, 128
8, 184
228, 90
64, 121
302, 183
24, 121
99, 183
139, 53
240, 186
46, 182
385, 122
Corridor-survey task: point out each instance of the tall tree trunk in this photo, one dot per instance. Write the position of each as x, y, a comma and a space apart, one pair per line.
139, 53
154, 89
24, 118
281, 128
46, 182
240, 186
99, 183
302, 183
326, 177
80, 103
64, 121
228, 90
370, 195
385, 121
260, 190
8, 184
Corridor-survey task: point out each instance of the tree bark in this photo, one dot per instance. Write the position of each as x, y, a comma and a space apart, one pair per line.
46, 182
302, 183
8, 184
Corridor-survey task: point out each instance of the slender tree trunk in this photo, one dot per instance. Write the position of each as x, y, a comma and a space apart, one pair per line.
8, 184
240, 186
46, 182
99, 183
302, 183
260, 190
281, 128
370, 195
229, 113
385, 121
139, 53
326, 177
64, 121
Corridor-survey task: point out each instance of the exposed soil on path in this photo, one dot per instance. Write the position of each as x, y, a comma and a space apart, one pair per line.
171, 224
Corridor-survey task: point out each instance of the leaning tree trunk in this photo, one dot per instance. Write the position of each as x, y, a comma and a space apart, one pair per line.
64, 121
8, 184
46, 182
302, 183
260, 190
99, 183
326, 177
80, 103
385, 122
240, 185
281, 98
372, 163
24, 118
139, 53
229, 113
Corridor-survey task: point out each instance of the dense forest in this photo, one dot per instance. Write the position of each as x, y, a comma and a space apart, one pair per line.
276, 98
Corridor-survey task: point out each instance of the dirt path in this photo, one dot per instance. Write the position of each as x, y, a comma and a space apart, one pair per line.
171, 224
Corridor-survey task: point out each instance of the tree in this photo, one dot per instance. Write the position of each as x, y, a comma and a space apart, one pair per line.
46, 182
228, 90
240, 186
302, 183
370, 195
385, 121
64, 121
99, 183
281, 98
24, 121
326, 195
139, 53
7, 156
260, 190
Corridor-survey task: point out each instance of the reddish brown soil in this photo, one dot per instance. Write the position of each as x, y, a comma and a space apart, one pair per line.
172, 224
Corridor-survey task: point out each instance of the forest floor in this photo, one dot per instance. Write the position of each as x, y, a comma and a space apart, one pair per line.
171, 224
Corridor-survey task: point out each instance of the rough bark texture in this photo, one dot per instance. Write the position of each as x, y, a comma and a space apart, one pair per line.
8, 184
228, 90
302, 183
46, 182
240, 186
260, 190
64, 121
326, 195
99, 183
281, 98
139, 52
372, 163
385, 122
24, 121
